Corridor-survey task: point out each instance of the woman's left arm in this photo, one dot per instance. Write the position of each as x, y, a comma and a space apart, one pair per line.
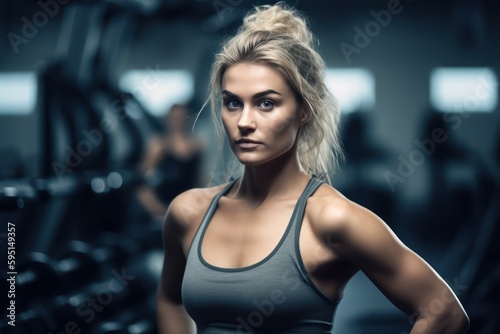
361, 237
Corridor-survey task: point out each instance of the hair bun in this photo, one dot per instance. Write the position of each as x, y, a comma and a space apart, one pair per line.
278, 19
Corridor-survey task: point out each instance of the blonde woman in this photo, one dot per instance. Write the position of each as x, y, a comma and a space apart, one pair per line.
272, 250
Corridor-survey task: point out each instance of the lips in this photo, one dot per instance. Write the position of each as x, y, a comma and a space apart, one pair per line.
246, 140
246, 143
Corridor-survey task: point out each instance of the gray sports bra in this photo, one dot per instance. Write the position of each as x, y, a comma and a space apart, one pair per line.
274, 295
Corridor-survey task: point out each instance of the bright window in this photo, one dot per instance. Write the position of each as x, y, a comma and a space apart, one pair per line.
354, 88
464, 89
159, 90
17, 93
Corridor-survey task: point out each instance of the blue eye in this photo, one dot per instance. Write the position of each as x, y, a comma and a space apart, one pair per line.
232, 104
266, 104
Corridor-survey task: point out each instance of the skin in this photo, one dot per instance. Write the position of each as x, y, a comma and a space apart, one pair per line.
337, 239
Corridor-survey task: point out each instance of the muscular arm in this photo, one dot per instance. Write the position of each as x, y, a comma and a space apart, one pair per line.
406, 279
171, 315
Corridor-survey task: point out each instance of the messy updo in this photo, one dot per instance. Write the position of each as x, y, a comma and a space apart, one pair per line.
278, 36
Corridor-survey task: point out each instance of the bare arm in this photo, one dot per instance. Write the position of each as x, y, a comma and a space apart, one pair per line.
145, 193
172, 318
153, 154
406, 279
171, 315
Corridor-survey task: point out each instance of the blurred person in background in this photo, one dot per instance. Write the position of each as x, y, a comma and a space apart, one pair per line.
171, 162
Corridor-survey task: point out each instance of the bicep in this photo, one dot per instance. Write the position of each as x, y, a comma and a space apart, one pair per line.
174, 261
403, 276
152, 154
412, 284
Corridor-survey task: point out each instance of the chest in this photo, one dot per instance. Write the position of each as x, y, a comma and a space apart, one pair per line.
239, 236
244, 263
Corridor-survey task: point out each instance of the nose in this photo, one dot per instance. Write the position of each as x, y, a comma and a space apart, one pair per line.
246, 122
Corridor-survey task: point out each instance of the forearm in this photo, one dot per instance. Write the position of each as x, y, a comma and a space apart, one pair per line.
451, 322
173, 318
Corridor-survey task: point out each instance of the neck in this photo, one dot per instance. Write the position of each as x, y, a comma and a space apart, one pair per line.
279, 178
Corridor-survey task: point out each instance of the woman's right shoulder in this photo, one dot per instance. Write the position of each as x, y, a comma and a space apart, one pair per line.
187, 208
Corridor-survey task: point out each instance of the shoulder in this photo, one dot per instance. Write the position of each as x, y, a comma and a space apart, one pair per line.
155, 147
328, 210
187, 208
338, 221
155, 143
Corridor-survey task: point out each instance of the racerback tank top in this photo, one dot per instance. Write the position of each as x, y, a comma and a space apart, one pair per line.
274, 295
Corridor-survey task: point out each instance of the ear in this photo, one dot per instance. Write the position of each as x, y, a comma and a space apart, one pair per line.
305, 115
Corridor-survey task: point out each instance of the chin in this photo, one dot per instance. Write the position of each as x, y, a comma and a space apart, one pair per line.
250, 162
255, 160
259, 157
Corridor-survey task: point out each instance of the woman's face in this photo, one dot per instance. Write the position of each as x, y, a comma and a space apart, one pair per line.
260, 113
177, 118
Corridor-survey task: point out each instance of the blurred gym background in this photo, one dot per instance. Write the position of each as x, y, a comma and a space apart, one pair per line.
97, 104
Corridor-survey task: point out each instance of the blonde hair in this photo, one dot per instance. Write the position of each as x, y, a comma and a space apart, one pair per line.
278, 36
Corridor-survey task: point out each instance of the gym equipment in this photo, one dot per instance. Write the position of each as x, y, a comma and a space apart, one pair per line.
41, 276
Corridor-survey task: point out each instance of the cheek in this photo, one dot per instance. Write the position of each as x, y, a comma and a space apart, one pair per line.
283, 125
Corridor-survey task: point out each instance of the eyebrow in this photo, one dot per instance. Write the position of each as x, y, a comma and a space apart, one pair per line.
257, 95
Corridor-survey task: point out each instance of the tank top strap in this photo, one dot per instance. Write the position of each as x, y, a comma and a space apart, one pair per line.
224, 191
215, 202
209, 213
312, 186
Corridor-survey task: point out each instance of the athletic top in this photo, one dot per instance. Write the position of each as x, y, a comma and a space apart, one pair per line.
274, 295
175, 175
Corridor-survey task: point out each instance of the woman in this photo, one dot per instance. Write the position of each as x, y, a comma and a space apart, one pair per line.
271, 251
170, 163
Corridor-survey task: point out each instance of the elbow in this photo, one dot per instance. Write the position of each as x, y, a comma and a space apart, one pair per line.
453, 320
456, 321
459, 318
464, 322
